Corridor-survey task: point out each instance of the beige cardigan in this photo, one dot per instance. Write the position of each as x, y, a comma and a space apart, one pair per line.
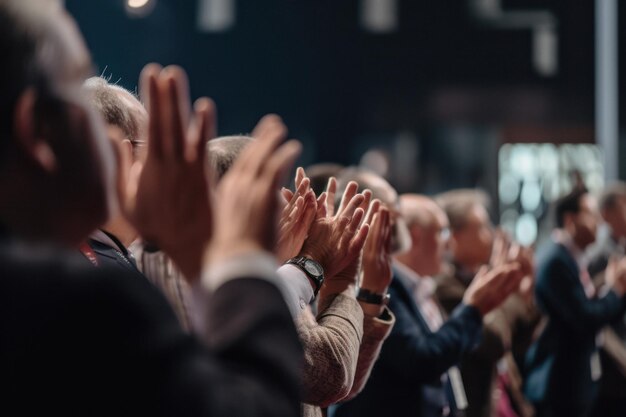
340, 348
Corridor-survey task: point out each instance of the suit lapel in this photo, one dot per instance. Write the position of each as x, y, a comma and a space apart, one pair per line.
405, 293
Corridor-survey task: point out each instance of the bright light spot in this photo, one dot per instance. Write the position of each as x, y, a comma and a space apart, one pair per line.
508, 189
136, 4
531, 195
526, 229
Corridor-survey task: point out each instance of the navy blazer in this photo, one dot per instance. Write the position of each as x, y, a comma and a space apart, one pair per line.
406, 379
559, 363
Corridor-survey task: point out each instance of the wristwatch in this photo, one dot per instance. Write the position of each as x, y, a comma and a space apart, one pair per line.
312, 269
372, 298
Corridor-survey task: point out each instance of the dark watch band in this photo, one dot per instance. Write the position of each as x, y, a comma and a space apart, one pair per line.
312, 269
372, 298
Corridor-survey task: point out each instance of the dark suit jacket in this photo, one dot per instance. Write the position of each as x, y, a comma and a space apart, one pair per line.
406, 379
559, 375
478, 368
84, 341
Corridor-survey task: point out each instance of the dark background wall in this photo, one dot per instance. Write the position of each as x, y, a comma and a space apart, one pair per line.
442, 87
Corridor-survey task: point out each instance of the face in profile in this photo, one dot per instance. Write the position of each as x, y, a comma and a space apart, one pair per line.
474, 240
81, 176
433, 243
586, 221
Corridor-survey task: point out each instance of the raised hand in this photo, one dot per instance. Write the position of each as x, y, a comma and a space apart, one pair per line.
615, 275
245, 201
296, 218
336, 240
377, 252
172, 208
500, 250
376, 260
491, 287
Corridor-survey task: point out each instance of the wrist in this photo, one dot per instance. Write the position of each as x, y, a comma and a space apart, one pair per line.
372, 310
337, 286
222, 251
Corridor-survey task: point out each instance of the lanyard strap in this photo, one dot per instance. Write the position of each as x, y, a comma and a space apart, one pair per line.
86, 250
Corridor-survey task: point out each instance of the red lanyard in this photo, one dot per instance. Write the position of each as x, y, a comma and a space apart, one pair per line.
86, 250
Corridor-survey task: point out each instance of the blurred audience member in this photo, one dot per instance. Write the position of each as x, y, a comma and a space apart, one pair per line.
563, 365
80, 340
423, 346
319, 174
472, 246
112, 244
611, 400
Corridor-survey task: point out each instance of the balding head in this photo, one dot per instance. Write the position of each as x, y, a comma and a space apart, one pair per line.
419, 210
224, 151
120, 108
428, 226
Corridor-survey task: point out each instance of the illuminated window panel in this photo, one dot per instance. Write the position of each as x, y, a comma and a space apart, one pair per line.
533, 176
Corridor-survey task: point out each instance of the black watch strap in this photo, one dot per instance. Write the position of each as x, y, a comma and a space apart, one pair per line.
301, 262
372, 298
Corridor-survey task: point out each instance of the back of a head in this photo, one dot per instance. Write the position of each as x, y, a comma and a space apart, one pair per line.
458, 203
106, 98
59, 190
380, 188
568, 204
224, 151
319, 174
24, 34
418, 210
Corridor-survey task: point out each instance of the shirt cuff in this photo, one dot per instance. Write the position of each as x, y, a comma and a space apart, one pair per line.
261, 265
299, 292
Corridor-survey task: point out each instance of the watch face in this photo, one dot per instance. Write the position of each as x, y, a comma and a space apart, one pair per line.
313, 268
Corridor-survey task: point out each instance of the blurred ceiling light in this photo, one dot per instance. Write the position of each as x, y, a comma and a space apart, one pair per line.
379, 16
139, 8
216, 15
136, 4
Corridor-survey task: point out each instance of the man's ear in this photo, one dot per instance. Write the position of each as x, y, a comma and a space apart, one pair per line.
28, 140
416, 235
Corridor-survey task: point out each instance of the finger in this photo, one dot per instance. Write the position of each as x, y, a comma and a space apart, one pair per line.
287, 194
355, 221
266, 122
303, 188
150, 92
374, 235
179, 108
265, 145
204, 121
358, 241
366, 202
310, 208
352, 206
385, 229
299, 176
321, 206
331, 189
349, 192
280, 162
373, 209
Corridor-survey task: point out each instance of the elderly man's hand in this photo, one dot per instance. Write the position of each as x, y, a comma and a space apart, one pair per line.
336, 240
172, 208
246, 203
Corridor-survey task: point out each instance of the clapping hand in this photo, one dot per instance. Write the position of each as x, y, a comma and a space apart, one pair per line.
296, 218
172, 208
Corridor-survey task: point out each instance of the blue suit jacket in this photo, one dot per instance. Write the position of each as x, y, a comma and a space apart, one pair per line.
558, 365
406, 379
